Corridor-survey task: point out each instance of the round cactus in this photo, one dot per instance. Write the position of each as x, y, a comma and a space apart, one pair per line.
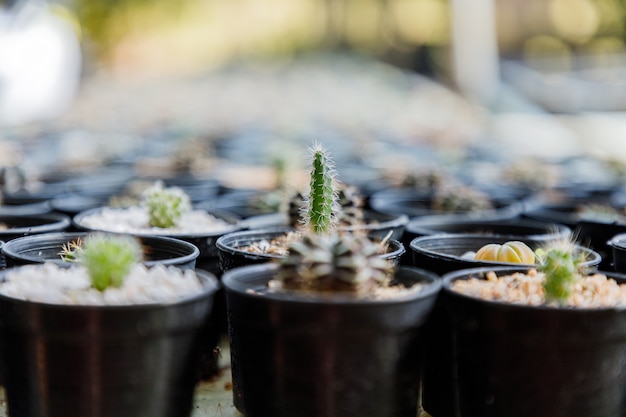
165, 205
345, 262
109, 259
512, 251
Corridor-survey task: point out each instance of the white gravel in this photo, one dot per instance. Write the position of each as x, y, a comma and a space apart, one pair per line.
135, 220
51, 284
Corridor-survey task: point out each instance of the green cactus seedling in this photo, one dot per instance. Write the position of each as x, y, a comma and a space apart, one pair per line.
109, 259
560, 265
165, 205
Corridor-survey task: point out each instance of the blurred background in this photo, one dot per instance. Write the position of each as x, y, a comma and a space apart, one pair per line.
543, 77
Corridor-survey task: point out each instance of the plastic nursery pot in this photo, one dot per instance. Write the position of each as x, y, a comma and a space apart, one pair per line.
17, 226
437, 224
302, 355
445, 252
618, 246
47, 248
413, 204
107, 361
442, 254
520, 361
233, 254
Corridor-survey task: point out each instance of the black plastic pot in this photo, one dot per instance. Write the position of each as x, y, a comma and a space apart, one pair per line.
18, 226
437, 224
520, 361
207, 260
618, 246
324, 356
108, 361
443, 254
231, 256
46, 248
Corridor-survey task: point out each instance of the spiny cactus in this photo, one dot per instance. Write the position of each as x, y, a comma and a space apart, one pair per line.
71, 250
322, 197
350, 203
109, 259
334, 262
559, 263
165, 205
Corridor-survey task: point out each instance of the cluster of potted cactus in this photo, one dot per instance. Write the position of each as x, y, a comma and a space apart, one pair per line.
327, 314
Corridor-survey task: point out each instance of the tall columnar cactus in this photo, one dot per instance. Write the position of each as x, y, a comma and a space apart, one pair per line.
334, 262
560, 265
322, 197
109, 259
165, 205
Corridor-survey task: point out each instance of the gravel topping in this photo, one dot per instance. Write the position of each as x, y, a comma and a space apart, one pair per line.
135, 220
593, 291
51, 284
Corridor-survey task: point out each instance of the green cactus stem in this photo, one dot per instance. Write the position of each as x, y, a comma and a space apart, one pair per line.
109, 259
560, 267
322, 195
334, 262
165, 205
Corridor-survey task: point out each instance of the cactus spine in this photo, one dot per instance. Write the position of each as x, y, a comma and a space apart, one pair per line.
322, 197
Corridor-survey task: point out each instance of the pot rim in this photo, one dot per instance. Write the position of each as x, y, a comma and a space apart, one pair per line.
593, 258
450, 277
222, 245
8, 248
266, 271
53, 221
233, 221
210, 285
423, 225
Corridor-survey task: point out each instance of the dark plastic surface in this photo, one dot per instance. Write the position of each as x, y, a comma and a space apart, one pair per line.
321, 357
442, 254
111, 361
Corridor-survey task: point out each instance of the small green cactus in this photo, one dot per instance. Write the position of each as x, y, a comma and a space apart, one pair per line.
322, 198
165, 205
334, 262
560, 266
109, 259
